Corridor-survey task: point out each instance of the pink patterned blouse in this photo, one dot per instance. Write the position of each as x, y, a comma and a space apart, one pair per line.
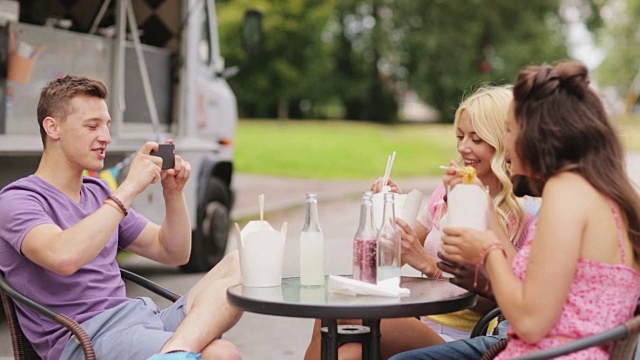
601, 297
431, 217
432, 214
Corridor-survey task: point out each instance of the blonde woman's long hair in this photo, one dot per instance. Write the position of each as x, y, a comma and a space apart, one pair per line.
488, 107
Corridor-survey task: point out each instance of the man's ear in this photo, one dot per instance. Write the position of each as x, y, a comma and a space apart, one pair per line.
50, 126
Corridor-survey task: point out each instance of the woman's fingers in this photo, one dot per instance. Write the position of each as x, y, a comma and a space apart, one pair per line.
404, 226
377, 185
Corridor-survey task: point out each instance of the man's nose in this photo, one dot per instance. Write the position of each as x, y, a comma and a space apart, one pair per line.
105, 136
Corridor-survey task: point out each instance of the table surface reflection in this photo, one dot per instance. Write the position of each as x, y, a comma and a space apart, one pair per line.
428, 297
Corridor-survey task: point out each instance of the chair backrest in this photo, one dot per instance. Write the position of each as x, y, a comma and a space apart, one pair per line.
22, 349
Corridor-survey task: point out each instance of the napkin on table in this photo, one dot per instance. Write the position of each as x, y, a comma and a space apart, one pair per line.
348, 286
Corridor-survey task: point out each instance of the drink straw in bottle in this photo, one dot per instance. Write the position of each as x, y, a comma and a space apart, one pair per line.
261, 204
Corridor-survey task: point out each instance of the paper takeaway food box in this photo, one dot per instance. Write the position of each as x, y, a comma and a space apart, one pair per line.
406, 207
261, 250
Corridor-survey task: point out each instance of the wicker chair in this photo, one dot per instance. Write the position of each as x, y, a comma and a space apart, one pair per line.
482, 326
22, 349
622, 341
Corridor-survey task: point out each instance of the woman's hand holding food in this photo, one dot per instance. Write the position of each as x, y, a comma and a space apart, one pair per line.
465, 245
377, 186
413, 251
456, 174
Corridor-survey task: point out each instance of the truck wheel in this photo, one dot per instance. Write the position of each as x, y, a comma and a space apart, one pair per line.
209, 240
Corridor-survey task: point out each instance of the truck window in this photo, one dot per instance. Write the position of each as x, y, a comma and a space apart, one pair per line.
204, 43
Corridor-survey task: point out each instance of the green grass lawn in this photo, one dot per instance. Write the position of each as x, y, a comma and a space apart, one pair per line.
341, 149
356, 150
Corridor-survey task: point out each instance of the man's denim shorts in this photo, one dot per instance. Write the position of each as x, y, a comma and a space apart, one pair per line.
133, 330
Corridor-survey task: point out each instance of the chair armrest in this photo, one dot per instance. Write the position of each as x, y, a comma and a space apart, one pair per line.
624, 337
62, 319
495, 349
481, 326
617, 333
149, 285
18, 297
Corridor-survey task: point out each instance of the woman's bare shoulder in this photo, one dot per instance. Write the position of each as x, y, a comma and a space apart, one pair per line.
569, 190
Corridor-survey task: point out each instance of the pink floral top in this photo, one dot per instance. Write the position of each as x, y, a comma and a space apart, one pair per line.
430, 217
601, 297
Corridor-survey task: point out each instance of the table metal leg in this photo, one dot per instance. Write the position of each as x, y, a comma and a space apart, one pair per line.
329, 343
374, 344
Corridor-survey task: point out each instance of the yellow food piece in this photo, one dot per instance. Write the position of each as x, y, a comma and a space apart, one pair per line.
468, 175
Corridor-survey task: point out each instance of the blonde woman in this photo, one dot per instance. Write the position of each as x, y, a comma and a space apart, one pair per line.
479, 125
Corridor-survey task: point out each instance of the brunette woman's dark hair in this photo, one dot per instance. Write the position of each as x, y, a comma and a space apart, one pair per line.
564, 127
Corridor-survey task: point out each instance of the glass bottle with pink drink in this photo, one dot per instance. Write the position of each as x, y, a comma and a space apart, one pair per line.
365, 244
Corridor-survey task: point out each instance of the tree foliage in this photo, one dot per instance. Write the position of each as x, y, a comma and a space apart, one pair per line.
620, 39
359, 56
453, 46
294, 64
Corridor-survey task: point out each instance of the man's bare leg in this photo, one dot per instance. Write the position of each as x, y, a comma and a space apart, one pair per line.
209, 314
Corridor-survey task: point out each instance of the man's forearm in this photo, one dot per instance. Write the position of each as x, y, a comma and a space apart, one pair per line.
175, 231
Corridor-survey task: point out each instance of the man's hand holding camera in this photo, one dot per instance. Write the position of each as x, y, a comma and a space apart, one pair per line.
147, 168
175, 170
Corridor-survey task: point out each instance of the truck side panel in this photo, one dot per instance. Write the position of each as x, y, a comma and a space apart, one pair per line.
66, 53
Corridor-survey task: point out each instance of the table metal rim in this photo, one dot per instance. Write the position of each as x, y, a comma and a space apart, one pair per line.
360, 311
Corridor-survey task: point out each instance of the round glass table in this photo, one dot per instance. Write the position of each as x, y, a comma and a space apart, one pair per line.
428, 297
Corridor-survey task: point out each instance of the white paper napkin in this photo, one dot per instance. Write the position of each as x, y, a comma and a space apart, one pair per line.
347, 286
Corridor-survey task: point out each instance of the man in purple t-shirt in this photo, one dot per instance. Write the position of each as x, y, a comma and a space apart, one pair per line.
61, 231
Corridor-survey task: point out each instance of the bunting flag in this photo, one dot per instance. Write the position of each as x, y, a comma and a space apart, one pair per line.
109, 175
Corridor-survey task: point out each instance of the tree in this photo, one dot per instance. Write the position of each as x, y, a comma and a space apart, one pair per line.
293, 65
621, 40
362, 54
358, 48
449, 47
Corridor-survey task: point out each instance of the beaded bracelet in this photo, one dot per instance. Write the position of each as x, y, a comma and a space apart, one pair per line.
119, 203
113, 205
483, 255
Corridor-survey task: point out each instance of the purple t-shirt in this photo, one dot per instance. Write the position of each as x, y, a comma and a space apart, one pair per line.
96, 287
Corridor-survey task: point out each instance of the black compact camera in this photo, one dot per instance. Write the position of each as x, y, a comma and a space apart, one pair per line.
168, 154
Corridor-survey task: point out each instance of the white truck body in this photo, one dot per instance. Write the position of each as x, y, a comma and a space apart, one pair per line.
194, 106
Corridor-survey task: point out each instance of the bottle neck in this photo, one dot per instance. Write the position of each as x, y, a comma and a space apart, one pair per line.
311, 222
388, 211
365, 227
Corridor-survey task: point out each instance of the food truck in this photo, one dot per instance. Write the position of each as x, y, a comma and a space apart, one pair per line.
166, 77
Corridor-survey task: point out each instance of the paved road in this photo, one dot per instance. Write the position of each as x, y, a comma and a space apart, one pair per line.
262, 337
